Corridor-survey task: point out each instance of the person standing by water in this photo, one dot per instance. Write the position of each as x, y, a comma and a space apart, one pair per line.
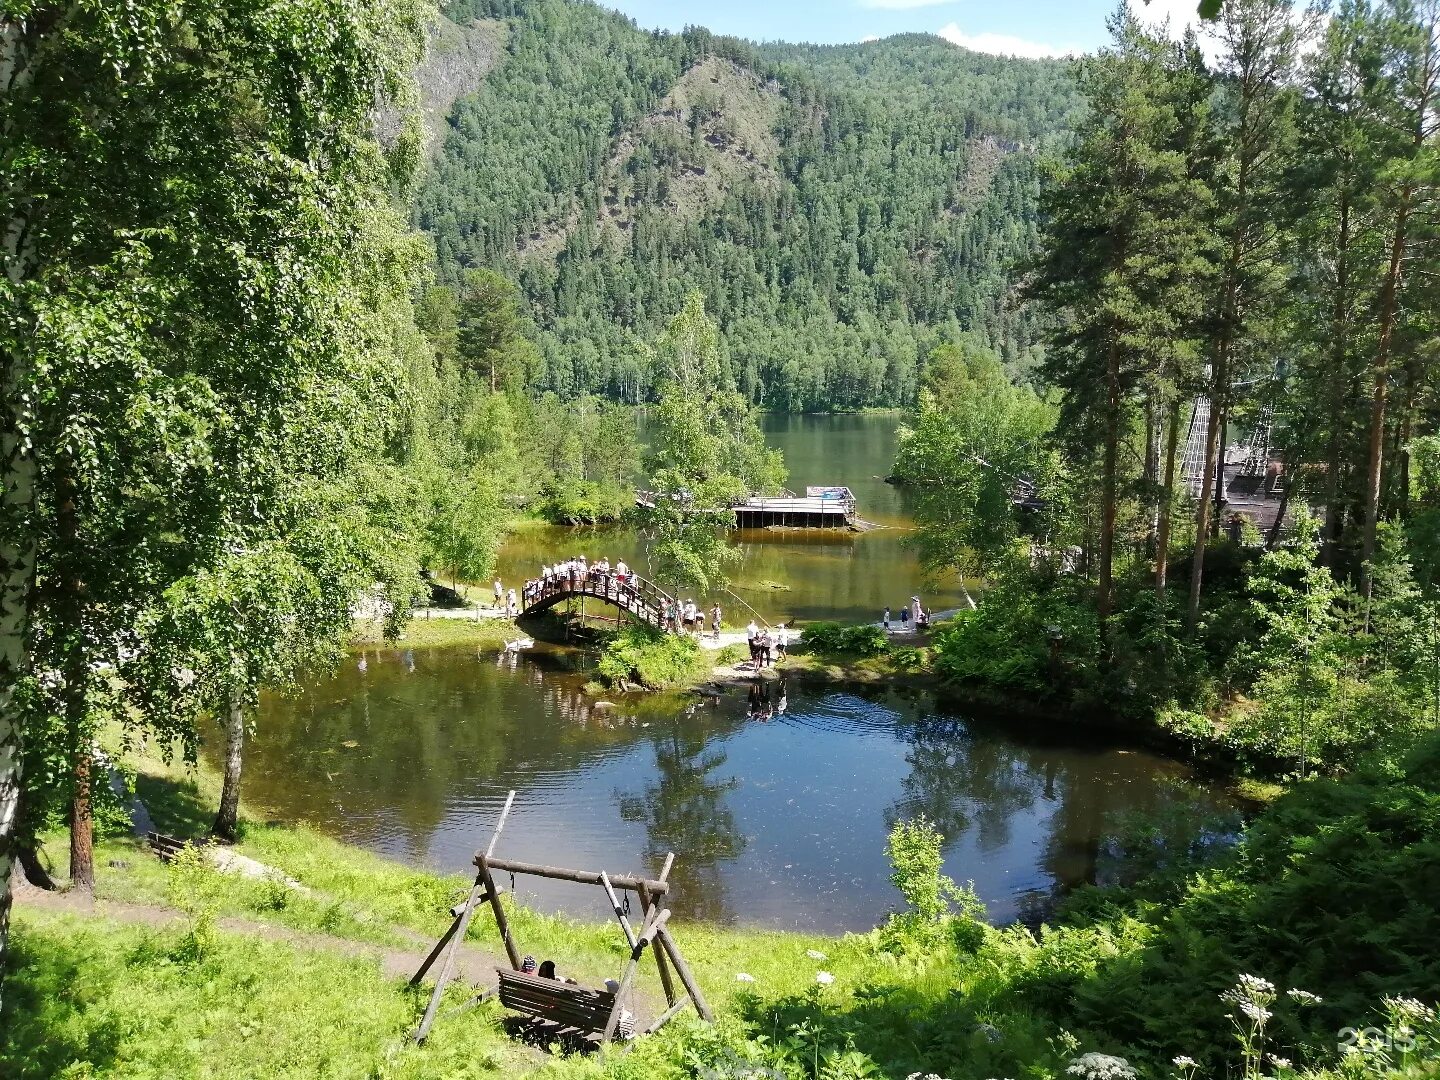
885, 619
782, 641
499, 594
917, 612
904, 617
715, 621
751, 633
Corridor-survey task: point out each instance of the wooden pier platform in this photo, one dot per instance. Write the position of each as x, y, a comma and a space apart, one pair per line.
818, 508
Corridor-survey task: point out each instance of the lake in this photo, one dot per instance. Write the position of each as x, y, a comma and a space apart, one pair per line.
777, 809
826, 573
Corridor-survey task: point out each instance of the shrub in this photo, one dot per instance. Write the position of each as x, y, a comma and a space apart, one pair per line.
196, 888
1006, 642
913, 848
655, 660
729, 655
835, 639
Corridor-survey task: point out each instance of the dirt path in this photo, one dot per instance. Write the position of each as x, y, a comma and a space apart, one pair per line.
473, 965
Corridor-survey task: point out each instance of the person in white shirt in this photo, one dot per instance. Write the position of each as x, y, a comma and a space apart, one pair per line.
782, 640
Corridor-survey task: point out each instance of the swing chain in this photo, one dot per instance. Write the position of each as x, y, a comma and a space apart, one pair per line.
512, 882
626, 903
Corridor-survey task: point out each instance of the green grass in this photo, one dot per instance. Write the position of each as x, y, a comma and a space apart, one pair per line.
87, 997
437, 633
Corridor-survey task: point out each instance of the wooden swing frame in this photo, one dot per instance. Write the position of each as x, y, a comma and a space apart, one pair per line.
563, 1001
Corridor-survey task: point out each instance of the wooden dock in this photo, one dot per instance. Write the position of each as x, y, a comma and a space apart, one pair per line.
818, 508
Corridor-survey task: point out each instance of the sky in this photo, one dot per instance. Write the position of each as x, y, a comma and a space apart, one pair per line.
1007, 27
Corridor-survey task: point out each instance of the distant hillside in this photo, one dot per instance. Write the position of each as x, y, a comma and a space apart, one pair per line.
843, 208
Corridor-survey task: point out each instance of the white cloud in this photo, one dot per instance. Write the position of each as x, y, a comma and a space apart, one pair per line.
1003, 44
1177, 15
869, 37
901, 5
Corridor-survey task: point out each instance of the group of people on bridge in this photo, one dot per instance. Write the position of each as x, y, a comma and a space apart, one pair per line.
580, 575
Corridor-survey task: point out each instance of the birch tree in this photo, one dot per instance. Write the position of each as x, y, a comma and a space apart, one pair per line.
181, 185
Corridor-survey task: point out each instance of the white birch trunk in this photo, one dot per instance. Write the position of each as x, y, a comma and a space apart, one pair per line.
228, 816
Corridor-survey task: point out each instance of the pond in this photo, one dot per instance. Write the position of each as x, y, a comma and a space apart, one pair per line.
777, 810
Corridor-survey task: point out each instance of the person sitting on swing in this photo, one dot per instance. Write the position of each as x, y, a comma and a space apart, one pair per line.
547, 971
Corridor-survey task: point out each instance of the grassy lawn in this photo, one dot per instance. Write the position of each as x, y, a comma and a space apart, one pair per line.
438, 633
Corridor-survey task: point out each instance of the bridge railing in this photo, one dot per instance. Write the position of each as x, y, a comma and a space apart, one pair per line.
630, 592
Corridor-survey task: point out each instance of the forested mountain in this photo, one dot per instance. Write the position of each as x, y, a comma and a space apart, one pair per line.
842, 209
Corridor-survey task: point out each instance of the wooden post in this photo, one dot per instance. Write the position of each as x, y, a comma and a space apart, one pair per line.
646, 903
647, 900
654, 923
686, 978
619, 911
501, 922
583, 877
439, 946
457, 936
457, 930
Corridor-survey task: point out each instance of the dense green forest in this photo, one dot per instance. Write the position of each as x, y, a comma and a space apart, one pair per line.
246, 398
841, 209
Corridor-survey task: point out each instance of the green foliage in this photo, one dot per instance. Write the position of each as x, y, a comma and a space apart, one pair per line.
655, 660
913, 848
706, 453
975, 443
729, 655
589, 455
837, 639
206, 330
196, 888
1009, 640
610, 171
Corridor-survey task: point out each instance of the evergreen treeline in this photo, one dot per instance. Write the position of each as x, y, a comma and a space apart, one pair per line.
1237, 247
841, 209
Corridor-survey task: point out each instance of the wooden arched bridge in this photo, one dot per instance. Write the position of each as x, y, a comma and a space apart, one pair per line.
642, 600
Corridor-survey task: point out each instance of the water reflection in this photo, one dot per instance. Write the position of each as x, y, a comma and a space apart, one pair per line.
683, 810
777, 817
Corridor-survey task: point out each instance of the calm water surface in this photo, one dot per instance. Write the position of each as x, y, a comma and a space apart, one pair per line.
778, 818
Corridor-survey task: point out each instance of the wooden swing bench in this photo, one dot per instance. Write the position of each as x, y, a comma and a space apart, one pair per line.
591, 1012
546, 999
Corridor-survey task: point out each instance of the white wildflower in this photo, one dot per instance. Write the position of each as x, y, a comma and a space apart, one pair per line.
1255, 1013
1410, 1010
741, 976
824, 978
1093, 1066
814, 955
1184, 1062
1304, 997
1279, 1062
1253, 984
